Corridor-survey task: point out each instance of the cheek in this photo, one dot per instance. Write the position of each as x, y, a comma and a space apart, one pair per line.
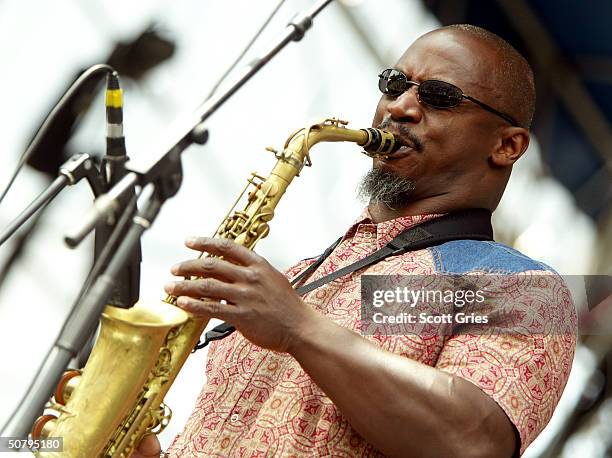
461, 150
466, 142
453, 138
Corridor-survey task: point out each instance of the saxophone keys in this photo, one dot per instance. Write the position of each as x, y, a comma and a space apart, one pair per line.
43, 426
277, 154
66, 386
335, 122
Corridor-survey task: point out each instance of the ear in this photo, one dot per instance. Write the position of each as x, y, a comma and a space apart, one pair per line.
513, 142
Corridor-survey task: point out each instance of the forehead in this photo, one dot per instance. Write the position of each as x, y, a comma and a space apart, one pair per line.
453, 57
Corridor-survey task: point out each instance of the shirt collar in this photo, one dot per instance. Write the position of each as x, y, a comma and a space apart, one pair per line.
387, 230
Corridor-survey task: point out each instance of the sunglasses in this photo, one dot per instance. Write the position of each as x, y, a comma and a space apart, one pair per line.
437, 94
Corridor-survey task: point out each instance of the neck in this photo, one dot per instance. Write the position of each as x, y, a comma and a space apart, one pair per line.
438, 204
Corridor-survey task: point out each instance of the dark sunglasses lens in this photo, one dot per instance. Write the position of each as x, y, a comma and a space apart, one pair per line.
391, 82
440, 94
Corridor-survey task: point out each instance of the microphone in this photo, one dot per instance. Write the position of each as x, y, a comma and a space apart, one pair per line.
116, 155
126, 291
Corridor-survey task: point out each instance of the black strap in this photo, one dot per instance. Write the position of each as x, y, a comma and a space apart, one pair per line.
469, 224
315, 265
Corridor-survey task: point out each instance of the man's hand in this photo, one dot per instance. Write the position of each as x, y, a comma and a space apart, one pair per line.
149, 447
261, 303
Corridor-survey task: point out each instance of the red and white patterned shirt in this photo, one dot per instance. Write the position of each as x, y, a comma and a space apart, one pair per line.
259, 403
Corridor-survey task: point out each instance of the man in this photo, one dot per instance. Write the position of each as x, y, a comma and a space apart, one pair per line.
300, 380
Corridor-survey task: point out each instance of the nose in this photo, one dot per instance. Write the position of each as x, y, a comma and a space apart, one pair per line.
406, 107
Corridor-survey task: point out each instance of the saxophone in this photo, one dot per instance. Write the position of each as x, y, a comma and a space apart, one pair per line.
106, 408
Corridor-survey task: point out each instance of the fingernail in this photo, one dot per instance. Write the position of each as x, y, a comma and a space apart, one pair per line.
174, 269
169, 287
191, 241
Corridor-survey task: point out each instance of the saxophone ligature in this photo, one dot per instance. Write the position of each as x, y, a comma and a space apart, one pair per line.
106, 408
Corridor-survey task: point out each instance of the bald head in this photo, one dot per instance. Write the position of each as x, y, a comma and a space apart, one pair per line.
511, 73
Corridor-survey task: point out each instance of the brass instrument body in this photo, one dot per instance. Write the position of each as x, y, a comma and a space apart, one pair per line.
140, 351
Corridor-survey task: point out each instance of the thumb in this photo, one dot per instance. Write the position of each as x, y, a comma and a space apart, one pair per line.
149, 447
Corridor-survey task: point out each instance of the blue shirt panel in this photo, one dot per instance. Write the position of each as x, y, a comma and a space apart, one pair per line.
463, 256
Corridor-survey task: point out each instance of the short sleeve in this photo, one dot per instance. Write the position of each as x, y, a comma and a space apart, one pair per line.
524, 362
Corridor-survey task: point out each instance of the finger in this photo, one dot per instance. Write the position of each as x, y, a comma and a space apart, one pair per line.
224, 247
213, 309
209, 267
149, 446
203, 287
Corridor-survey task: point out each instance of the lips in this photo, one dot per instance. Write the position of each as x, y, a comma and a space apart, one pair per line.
409, 142
406, 147
403, 151
405, 142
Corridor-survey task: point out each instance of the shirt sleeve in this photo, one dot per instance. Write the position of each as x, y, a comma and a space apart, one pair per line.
524, 360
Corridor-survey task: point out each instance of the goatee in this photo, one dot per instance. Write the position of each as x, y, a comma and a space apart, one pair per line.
380, 186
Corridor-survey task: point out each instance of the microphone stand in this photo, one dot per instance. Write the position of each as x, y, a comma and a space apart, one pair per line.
73, 170
165, 174
80, 325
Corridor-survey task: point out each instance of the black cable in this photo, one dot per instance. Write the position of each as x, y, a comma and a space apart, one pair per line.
97, 268
108, 248
74, 88
246, 49
108, 69
18, 245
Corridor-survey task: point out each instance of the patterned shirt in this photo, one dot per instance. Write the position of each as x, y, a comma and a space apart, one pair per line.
260, 403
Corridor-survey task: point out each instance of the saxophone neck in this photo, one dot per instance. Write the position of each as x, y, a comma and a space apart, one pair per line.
375, 142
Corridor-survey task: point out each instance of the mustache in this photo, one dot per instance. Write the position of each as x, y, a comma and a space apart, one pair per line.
403, 130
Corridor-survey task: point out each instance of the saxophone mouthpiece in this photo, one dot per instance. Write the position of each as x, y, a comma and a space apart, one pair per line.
380, 143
